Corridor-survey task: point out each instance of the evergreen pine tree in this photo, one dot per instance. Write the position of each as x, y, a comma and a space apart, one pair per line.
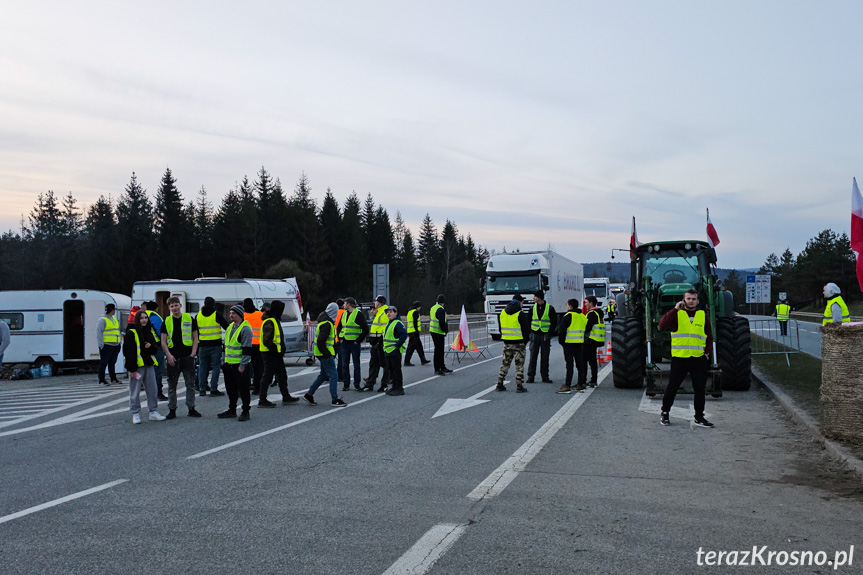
171, 225
135, 221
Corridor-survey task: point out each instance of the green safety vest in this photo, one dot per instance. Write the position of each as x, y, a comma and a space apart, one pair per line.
411, 321
434, 323
379, 324
233, 347
350, 330
185, 327
690, 338
783, 311
208, 328
277, 336
510, 328
575, 331
828, 315
390, 339
331, 339
542, 324
138, 347
597, 332
111, 335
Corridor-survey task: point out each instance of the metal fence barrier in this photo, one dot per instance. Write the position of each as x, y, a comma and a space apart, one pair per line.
770, 339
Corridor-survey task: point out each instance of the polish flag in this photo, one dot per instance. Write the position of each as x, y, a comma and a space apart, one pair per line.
633, 240
857, 229
463, 342
712, 236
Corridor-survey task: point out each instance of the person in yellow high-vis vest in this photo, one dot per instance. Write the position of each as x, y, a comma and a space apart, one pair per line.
836, 310
325, 339
272, 348
543, 324
594, 335
783, 314
180, 343
395, 336
211, 324
514, 331
377, 362
414, 329
571, 339
353, 329
438, 329
236, 364
139, 355
691, 344
108, 339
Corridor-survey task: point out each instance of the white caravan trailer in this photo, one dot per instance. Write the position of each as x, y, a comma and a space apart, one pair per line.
227, 293
57, 327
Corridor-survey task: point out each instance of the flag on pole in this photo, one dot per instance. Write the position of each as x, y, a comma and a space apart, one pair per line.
857, 229
633, 240
712, 236
463, 335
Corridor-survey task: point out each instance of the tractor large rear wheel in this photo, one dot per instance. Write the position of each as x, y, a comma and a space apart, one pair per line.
627, 353
734, 347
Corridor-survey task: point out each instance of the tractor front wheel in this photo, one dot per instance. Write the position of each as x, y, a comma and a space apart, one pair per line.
627, 353
734, 347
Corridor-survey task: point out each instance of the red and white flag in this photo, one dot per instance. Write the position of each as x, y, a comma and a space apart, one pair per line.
857, 229
633, 240
712, 236
462, 339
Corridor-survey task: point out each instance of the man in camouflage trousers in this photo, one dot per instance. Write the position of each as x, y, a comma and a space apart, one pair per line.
514, 331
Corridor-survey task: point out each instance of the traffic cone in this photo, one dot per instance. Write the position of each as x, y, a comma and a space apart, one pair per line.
600, 357
608, 352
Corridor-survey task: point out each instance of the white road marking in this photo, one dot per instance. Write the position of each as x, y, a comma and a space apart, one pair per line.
44, 412
501, 477
654, 406
424, 554
455, 404
62, 500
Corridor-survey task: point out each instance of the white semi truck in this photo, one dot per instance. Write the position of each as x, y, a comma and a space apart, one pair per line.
600, 288
524, 273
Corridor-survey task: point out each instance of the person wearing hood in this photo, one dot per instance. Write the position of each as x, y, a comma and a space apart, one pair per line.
210, 326
514, 330
783, 314
273, 354
414, 342
254, 317
395, 336
139, 353
836, 310
325, 338
236, 362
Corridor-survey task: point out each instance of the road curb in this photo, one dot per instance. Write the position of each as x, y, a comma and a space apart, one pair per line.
836, 450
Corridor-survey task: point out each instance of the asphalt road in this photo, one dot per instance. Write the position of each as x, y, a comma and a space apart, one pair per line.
802, 335
516, 483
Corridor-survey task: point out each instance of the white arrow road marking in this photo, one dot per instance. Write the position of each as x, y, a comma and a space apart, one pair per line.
451, 405
648, 405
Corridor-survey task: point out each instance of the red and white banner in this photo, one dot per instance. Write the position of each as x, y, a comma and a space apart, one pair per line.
857, 229
712, 236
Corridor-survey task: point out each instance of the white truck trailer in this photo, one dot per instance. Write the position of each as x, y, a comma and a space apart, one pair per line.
227, 293
57, 328
600, 288
524, 273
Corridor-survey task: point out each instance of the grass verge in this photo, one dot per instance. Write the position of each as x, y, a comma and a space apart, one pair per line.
801, 381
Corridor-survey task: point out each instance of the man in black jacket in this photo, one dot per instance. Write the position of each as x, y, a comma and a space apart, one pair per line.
543, 324
353, 329
210, 326
272, 348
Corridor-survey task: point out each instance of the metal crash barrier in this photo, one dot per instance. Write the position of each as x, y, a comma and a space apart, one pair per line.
769, 339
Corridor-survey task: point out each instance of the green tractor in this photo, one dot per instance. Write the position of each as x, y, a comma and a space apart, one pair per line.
660, 273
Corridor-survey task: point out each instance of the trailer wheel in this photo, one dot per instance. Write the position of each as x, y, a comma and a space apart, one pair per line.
734, 348
627, 353
45, 360
310, 361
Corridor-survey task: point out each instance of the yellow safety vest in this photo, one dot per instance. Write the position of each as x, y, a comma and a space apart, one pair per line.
185, 328
277, 336
233, 347
828, 315
542, 324
575, 331
597, 332
510, 328
434, 323
208, 328
690, 338
331, 339
350, 329
111, 335
390, 339
612, 306
411, 321
783, 311
380, 322
138, 346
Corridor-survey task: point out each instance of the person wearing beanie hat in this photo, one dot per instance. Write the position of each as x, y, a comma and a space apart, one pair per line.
438, 329
353, 329
108, 339
255, 317
414, 329
211, 324
325, 337
395, 336
543, 324
377, 361
836, 310
236, 363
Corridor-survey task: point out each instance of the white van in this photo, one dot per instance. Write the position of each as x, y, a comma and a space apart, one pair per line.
227, 293
57, 328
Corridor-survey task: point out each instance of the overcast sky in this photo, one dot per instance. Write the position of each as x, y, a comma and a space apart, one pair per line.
524, 122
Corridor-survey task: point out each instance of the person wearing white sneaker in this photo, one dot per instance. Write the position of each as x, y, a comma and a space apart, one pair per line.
139, 353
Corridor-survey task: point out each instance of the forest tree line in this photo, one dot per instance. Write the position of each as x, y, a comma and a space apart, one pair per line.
258, 231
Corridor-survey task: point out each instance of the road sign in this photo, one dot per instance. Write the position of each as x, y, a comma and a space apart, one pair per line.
381, 280
758, 289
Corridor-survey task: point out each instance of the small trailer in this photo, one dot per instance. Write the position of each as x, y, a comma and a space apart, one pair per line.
57, 328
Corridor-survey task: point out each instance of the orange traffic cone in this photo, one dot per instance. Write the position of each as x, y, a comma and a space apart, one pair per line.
608, 352
600, 356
